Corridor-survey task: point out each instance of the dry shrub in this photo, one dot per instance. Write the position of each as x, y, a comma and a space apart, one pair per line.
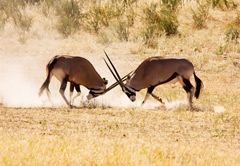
200, 16
222, 4
3, 19
15, 11
104, 38
100, 15
46, 6
125, 22
233, 30
69, 17
171, 4
122, 30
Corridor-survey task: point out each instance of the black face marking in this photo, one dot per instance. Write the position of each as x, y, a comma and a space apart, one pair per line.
95, 94
129, 93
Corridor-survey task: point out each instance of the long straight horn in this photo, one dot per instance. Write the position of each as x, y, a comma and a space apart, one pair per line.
119, 78
116, 83
112, 72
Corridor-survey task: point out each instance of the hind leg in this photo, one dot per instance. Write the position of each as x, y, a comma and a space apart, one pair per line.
77, 87
71, 92
48, 95
62, 90
188, 87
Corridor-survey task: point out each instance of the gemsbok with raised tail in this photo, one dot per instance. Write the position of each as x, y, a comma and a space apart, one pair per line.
78, 71
155, 71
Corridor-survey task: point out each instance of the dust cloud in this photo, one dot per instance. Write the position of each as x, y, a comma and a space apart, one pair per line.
20, 83
21, 78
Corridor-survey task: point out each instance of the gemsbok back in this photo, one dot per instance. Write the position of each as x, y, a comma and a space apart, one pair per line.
155, 71
78, 71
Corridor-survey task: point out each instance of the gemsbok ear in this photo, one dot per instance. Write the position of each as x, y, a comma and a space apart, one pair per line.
128, 79
105, 81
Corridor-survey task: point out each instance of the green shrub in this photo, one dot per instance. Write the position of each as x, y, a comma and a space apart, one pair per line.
148, 37
100, 15
222, 4
122, 30
233, 30
200, 16
125, 22
232, 34
69, 17
159, 21
171, 4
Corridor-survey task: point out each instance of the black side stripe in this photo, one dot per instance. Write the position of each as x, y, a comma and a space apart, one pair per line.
170, 79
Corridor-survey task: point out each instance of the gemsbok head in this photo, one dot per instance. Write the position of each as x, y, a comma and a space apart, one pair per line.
78, 71
155, 71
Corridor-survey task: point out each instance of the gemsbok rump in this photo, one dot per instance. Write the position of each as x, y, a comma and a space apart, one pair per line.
155, 71
78, 71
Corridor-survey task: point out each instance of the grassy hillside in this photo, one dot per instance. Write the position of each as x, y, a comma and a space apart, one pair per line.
111, 130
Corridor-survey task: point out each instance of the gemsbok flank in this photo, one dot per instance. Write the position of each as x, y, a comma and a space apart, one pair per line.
78, 71
155, 71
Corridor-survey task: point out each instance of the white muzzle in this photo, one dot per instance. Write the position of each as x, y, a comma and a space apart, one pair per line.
132, 98
89, 96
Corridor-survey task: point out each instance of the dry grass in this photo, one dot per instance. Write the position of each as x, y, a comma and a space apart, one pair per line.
123, 134
115, 136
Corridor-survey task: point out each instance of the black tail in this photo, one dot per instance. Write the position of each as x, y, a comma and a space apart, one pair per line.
50, 66
199, 85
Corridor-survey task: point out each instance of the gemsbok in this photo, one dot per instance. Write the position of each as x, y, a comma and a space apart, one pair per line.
78, 71
155, 71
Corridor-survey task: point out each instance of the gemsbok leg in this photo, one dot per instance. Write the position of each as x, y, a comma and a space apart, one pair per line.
62, 90
188, 87
149, 92
77, 87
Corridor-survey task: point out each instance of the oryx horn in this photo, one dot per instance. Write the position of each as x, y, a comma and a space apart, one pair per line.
116, 83
112, 72
119, 78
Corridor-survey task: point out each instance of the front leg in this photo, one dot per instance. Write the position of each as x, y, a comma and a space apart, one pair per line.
157, 98
149, 91
145, 99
